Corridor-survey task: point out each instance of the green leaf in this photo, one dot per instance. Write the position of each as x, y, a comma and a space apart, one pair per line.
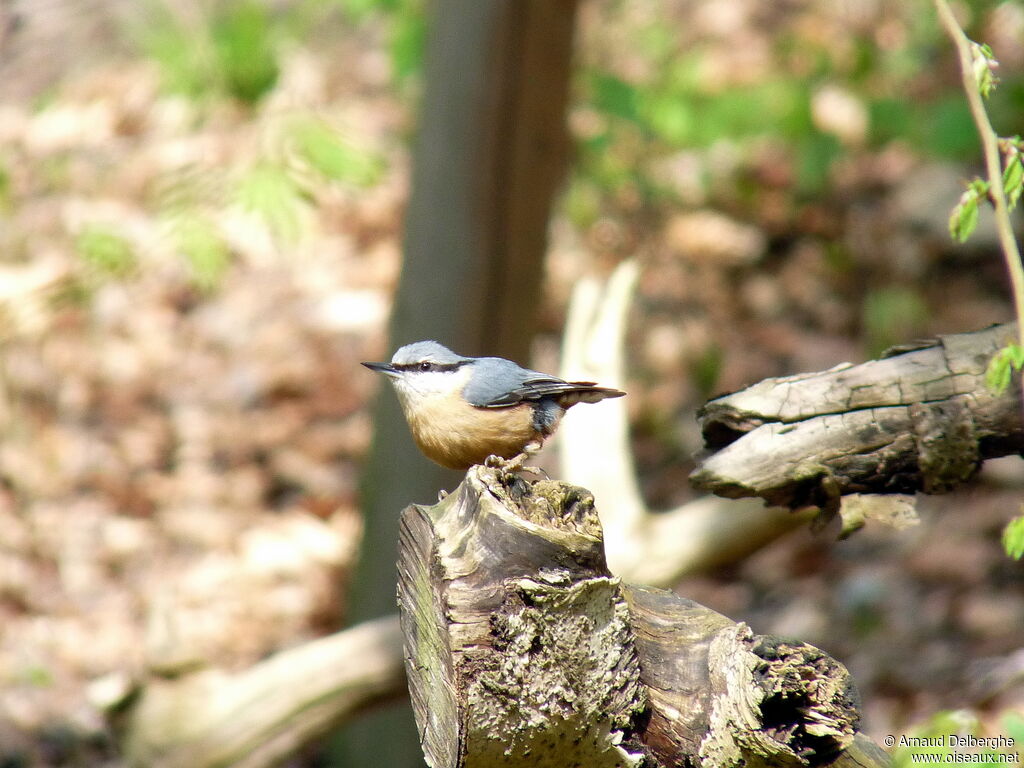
889, 119
1013, 179
1001, 367
964, 218
815, 154
1016, 354
978, 187
1013, 537
997, 377
183, 57
671, 118
984, 68
707, 369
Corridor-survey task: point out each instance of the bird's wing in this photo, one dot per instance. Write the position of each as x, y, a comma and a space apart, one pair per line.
500, 383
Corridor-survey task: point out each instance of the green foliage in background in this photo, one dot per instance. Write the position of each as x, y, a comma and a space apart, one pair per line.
244, 48
232, 47
635, 124
891, 316
277, 187
229, 49
406, 22
270, 192
203, 247
105, 251
331, 156
706, 369
669, 100
5, 189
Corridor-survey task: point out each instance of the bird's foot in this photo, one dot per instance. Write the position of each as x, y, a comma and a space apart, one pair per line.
496, 462
516, 464
442, 495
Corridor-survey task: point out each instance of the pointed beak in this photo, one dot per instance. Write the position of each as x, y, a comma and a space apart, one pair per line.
386, 368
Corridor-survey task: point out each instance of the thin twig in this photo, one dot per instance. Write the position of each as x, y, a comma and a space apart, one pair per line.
993, 164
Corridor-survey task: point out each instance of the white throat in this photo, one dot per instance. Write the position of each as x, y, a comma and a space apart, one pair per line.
415, 386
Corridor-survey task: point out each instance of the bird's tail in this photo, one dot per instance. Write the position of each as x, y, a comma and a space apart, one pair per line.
586, 392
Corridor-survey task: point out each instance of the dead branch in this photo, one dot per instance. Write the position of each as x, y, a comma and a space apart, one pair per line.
919, 419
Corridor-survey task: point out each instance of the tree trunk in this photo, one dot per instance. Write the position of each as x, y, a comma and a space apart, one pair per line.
490, 151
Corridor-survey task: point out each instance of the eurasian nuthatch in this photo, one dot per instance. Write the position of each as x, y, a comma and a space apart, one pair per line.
461, 410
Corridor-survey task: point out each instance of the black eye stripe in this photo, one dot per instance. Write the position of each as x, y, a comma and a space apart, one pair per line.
427, 366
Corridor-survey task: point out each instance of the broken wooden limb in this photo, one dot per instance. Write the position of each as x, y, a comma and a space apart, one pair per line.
201, 718
721, 692
920, 419
644, 545
523, 650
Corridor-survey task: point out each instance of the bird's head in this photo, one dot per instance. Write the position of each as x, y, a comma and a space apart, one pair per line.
424, 369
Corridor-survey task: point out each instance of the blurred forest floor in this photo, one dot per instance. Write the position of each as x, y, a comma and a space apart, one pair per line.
194, 257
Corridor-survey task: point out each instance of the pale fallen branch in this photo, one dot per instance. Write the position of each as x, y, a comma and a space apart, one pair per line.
258, 717
642, 545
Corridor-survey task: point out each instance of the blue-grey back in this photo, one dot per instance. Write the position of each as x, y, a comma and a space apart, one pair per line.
497, 383
493, 380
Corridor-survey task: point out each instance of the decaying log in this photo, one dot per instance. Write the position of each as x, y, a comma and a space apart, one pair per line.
920, 419
523, 650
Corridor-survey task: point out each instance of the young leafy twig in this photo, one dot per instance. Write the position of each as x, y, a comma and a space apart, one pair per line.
976, 64
990, 147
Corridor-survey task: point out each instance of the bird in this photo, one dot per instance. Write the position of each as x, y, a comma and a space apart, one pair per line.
464, 411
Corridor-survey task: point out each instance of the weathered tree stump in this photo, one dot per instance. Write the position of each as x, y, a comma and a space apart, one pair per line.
920, 419
523, 650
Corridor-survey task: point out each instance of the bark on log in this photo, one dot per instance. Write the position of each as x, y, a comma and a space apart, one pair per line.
919, 419
523, 650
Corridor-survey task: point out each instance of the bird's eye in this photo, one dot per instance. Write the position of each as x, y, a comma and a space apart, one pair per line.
425, 366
